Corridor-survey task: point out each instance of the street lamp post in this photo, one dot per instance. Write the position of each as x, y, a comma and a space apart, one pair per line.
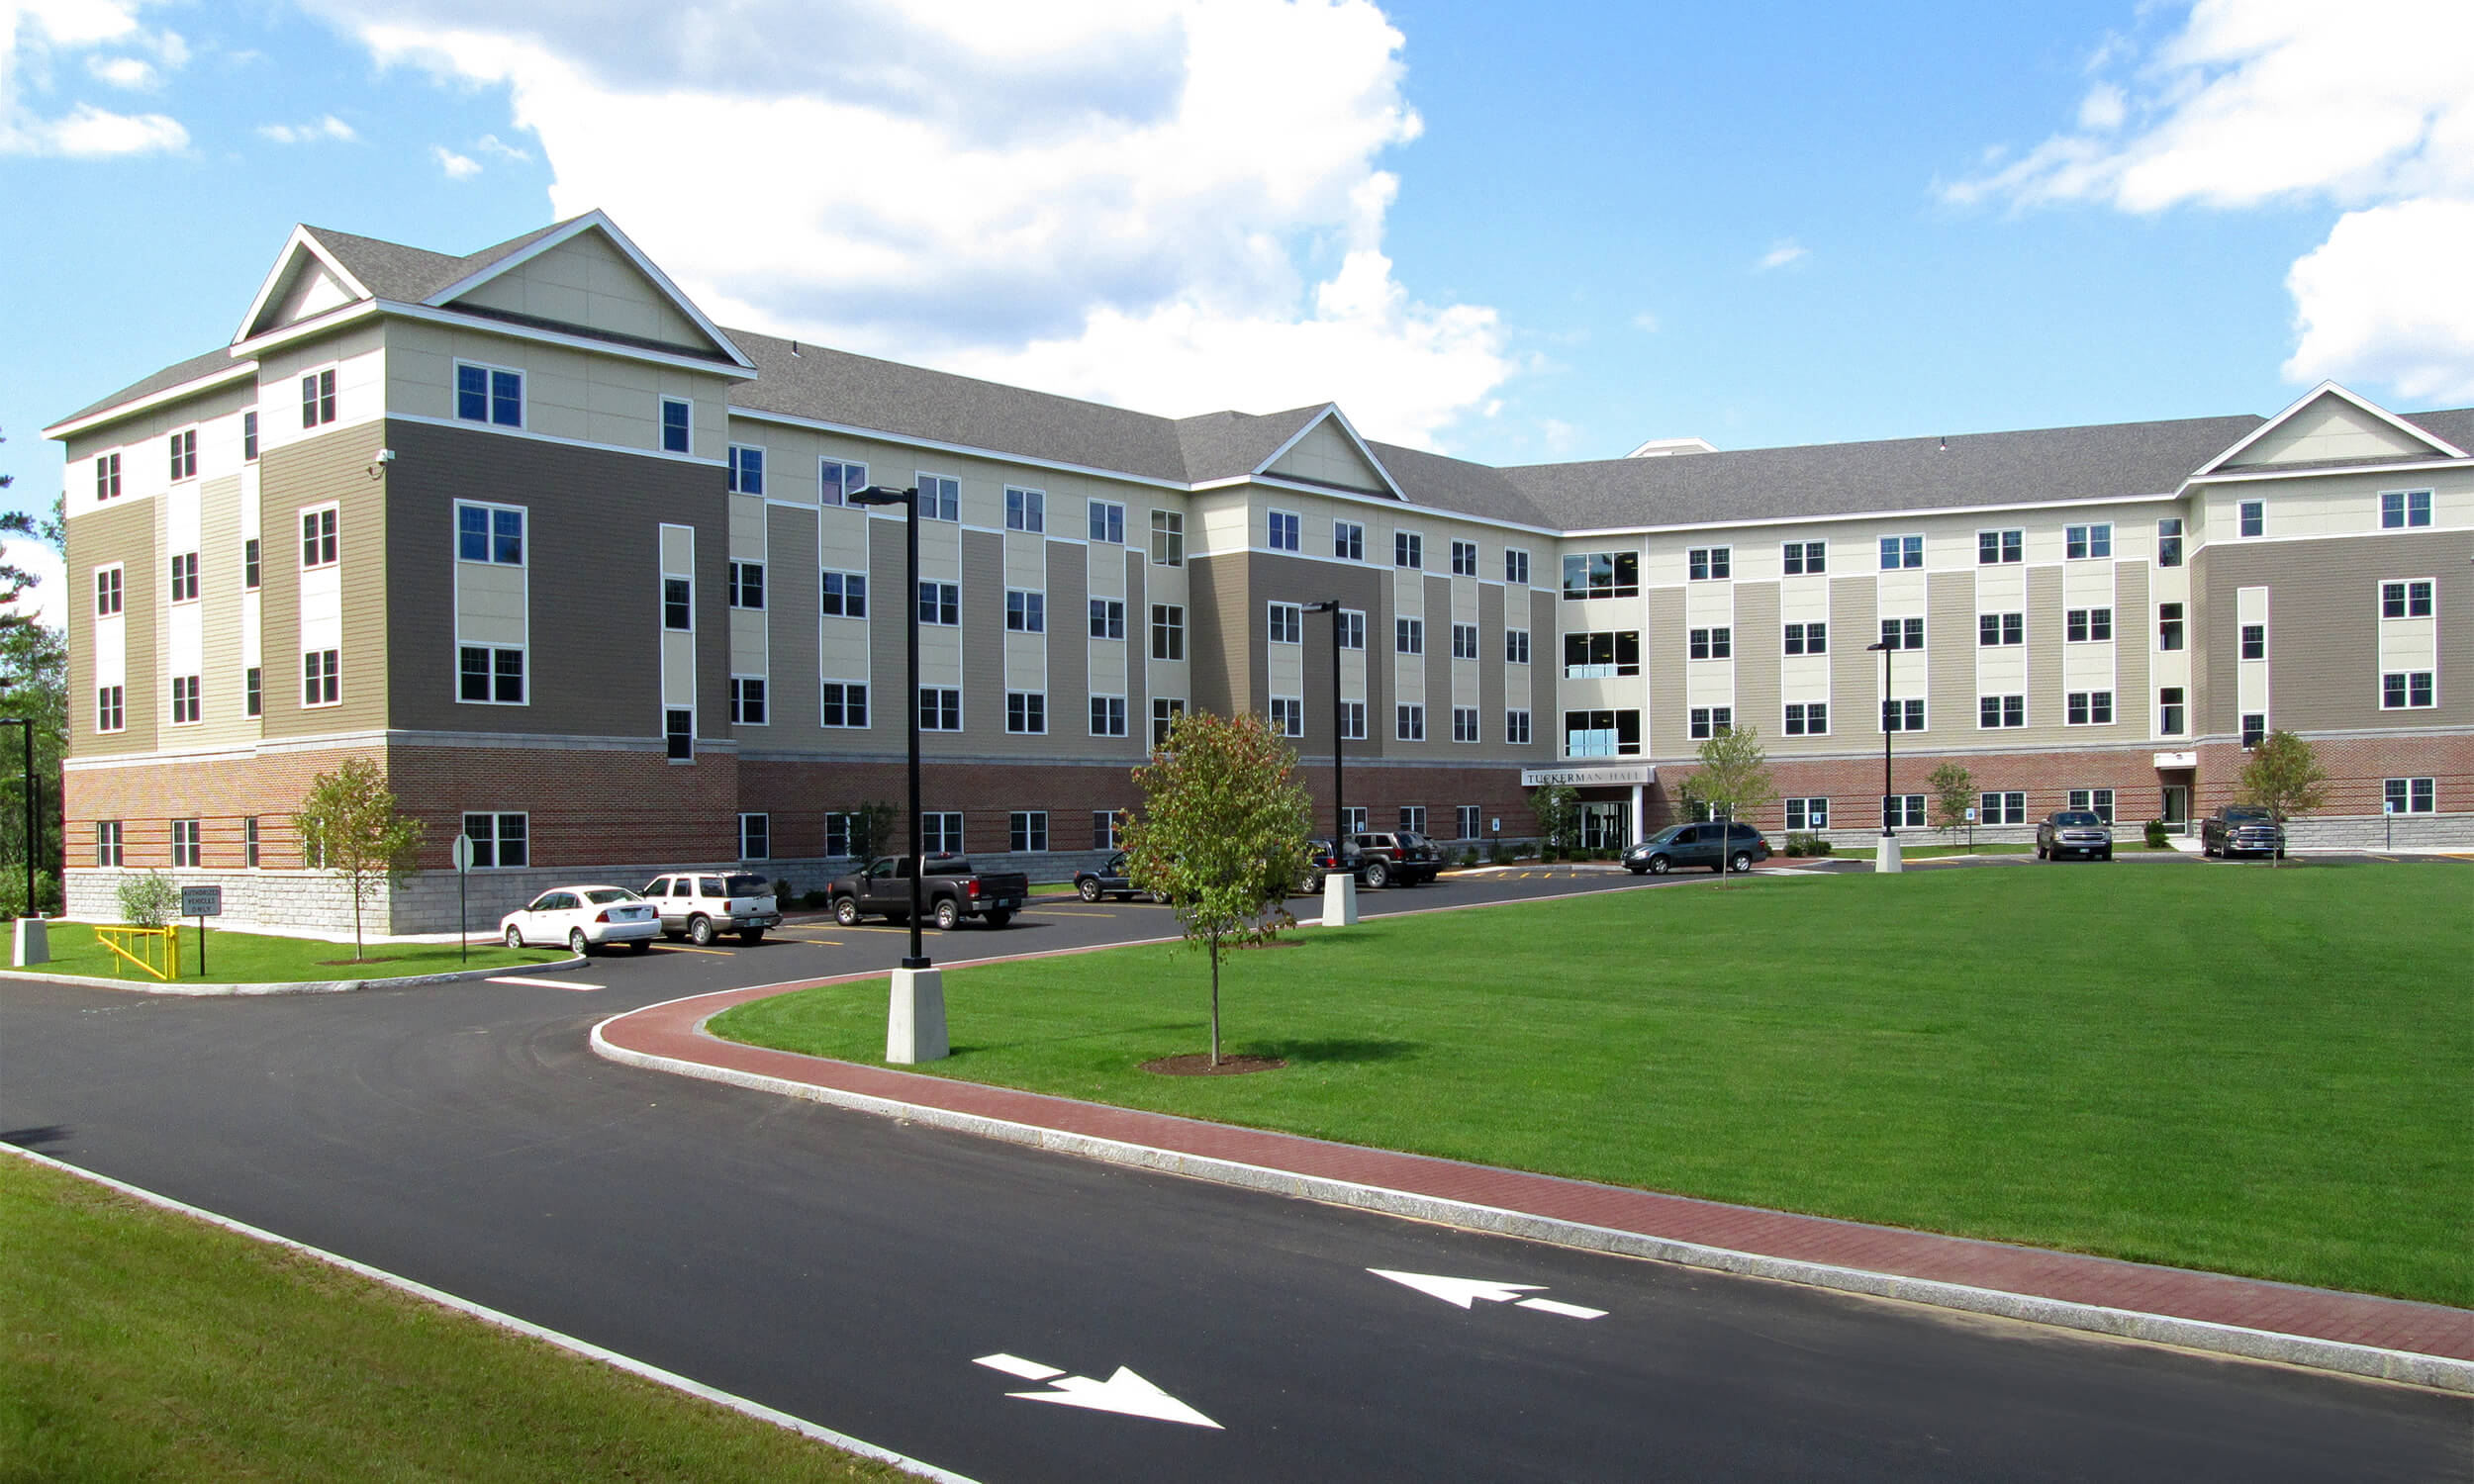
1885, 858
914, 1023
31, 944
1340, 884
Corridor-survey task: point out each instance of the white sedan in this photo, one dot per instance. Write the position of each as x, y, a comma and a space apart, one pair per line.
584, 919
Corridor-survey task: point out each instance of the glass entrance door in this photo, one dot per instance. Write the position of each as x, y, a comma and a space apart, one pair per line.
2177, 807
1605, 826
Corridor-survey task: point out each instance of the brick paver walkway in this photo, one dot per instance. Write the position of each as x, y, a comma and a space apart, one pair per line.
670, 1030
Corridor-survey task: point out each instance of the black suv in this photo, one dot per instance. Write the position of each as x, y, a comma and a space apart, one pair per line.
1396, 855
1697, 845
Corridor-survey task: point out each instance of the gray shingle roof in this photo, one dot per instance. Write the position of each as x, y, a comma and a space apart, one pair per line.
408, 275
1449, 484
2454, 425
1225, 445
1902, 473
218, 360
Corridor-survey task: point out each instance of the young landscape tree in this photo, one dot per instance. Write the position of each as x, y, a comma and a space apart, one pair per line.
2284, 778
1557, 807
34, 685
872, 831
1222, 834
1733, 779
349, 825
1954, 793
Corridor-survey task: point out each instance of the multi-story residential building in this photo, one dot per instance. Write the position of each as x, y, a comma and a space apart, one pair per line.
577, 568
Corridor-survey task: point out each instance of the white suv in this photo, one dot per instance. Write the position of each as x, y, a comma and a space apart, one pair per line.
698, 906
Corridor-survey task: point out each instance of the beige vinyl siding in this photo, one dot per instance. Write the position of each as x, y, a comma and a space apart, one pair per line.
1757, 659
125, 533
1667, 730
2330, 431
1223, 638
219, 586
334, 468
2046, 692
585, 282
889, 629
1854, 675
983, 652
1325, 456
2133, 627
791, 636
1492, 667
1437, 599
570, 394
1950, 637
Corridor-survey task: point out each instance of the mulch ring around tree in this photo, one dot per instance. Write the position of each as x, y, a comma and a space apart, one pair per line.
1198, 1065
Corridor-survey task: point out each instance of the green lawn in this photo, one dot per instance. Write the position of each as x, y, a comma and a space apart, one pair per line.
2262, 1072
142, 1345
258, 958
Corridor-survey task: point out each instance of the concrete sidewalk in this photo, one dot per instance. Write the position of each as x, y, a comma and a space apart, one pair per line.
2427, 1345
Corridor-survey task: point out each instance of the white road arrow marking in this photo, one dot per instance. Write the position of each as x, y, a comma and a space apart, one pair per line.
1467, 1291
1123, 1392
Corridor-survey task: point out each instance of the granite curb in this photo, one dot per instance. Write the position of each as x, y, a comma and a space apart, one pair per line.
2439, 1373
302, 986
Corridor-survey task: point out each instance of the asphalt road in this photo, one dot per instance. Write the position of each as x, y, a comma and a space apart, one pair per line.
851, 1269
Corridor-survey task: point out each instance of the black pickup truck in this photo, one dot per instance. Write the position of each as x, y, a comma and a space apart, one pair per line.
949, 891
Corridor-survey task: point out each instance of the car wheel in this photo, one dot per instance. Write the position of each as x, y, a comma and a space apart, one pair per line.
752, 936
948, 914
846, 911
1660, 864
700, 931
1377, 875
640, 946
1740, 862
577, 944
2107, 856
515, 936
1087, 890
999, 919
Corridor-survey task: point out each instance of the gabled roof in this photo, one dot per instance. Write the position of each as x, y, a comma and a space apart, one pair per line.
216, 362
492, 262
2042, 465
1232, 445
2438, 447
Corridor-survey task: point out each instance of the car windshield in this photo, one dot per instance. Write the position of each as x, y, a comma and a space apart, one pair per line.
1668, 835
746, 885
599, 896
1412, 842
2076, 817
2253, 815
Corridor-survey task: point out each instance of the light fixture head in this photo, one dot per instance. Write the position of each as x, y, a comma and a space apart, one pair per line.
880, 495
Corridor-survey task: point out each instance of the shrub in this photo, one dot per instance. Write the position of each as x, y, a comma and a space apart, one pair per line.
149, 900
1801, 844
2157, 835
781, 890
13, 894
816, 901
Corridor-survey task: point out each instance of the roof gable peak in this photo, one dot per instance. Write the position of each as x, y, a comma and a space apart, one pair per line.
2361, 427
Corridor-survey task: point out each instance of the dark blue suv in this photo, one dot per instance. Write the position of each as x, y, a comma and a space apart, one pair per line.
1697, 845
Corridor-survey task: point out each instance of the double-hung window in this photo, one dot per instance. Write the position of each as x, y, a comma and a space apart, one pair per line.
838, 479
2254, 641
1902, 812
2252, 517
1167, 632
2254, 729
2169, 541
318, 537
678, 425
318, 397
1464, 559
2097, 801
249, 573
2405, 600
843, 703
2172, 710
1348, 540
1026, 713
1464, 723
107, 842
489, 394
2407, 688
1808, 814
1901, 553
1705, 723
1028, 832
1025, 612
1463, 641
1408, 635
489, 675
2411, 795
1026, 510
1903, 714
755, 837
1996, 547
1710, 643
940, 708
2006, 808
1351, 629
747, 700
249, 438
1288, 715
2400, 509
2169, 626
1804, 558
1282, 530
1165, 709
1516, 566
1106, 522
1995, 630
1168, 539
940, 498
2087, 708
1108, 619
1409, 722
254, 691
489, 534
747, 469
842, 595
1286, 623
941, 603
2086, 626
940, 831
186, 699
1408, 549
322, 678
1902, 633
1516, 646
1709, 563
747, 585
2085, 542
2001, 710
184, 449
1807, 638
1108, 715
678, 603
185, 577
1807, 718
1516, 727
107, 594
107, 477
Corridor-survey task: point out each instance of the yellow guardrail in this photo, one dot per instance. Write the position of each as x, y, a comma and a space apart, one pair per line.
154, 951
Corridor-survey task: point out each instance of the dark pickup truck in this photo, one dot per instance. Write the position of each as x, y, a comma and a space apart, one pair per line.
2238, 831
949, 891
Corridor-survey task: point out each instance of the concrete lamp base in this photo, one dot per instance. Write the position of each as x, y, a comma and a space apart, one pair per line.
1888, 861
914, 1023
1340, 899
32, 945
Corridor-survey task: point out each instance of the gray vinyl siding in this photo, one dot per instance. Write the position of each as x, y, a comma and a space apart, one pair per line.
1667, 730
2046, 713
2323, 628
1854, 675
982, 653
2134, 626
1950, 637
791, 620
1757, 659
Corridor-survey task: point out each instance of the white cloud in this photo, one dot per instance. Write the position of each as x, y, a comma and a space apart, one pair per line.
1170, 204
326, 128
1646, 321
2280, 102
33, 37
456, 166
1783, 253
46, 600
490, 143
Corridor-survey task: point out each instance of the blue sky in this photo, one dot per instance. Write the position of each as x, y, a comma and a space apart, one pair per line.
1517, 233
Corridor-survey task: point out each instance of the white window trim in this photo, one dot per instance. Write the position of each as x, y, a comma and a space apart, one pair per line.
494, 817
336, 369
1122, 715
745, 817
731, 463
1418, 536
1298, 517
1359, 526
2113, 705
1808, 730
1274, 608
844, 726
1527, 565
456, 534
454, 393
1027, 491
299, 557
735, 707
662, 423
303, 671
120, 592
195, 464
456, 681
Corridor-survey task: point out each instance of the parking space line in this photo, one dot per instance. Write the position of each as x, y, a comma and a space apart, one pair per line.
680, 947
